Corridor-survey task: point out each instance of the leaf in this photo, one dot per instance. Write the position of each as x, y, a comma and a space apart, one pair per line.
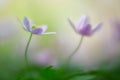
49, 73
88, 77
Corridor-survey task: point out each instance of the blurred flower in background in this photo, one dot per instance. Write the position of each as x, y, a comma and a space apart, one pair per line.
115, 24
83, 26
112, 43
45, 57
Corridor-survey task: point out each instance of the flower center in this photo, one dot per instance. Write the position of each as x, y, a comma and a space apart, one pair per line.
33, 27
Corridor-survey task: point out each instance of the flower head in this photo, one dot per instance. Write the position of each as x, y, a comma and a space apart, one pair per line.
30, 27
83, 26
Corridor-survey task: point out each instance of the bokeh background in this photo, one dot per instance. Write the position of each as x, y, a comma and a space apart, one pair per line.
101, 47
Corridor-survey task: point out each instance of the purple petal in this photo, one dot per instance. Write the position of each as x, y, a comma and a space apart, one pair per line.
82, 22
27, 24
72, 24
37, 31
96, 28
85, 30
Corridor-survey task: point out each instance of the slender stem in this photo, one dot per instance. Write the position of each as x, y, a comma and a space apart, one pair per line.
74, 52
26, 49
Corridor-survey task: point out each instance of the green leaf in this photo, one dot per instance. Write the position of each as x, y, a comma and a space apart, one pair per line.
49, 73
88, 77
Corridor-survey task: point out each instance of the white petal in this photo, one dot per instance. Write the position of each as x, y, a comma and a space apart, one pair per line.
44, 28
82, 21
31, 23
49, 33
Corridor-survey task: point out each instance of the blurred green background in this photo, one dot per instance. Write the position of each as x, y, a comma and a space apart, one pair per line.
54, 14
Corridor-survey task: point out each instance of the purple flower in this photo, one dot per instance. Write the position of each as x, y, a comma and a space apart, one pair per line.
30, 27
83, 26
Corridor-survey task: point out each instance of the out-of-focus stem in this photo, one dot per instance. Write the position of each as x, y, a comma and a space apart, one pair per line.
26, 49
76, 49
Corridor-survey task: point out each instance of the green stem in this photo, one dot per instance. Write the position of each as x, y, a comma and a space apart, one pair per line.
74, 52
26, 49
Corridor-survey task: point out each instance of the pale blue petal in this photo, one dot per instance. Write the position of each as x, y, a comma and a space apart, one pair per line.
27, 24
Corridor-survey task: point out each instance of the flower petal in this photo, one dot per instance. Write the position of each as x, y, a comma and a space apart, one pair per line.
72, 24
44, 28
31, 23
83, 21
21, 24
98, 26
49, 33
37, 31
85, 30
27, 24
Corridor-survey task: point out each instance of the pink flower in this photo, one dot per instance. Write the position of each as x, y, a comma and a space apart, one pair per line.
83, 26
45, 58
